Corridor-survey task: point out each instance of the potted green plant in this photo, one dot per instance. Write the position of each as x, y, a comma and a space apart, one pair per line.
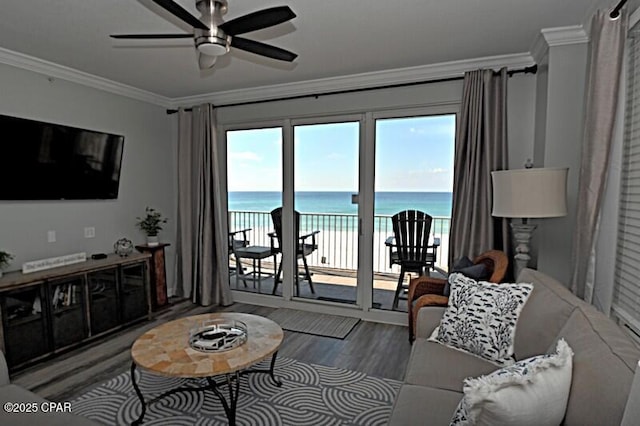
151, 224
5, 259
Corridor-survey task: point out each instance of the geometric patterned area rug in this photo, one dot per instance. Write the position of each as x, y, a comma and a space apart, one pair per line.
313, 323
310, 395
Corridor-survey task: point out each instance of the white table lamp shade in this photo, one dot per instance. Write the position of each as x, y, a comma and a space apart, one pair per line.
530, 193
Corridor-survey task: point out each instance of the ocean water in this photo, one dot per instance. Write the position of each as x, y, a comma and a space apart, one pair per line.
436, 204
336, 218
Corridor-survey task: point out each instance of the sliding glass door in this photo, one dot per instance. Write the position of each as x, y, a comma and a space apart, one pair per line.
254, 182
333, 184
413, 171
325, 190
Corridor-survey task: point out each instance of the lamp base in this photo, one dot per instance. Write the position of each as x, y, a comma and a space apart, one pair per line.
522, 236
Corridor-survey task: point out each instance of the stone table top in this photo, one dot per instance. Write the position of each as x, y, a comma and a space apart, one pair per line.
165, 349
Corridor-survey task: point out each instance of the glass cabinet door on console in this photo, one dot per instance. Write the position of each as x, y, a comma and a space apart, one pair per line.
24, 324
47, 312
67, 311
133, 292
103, 300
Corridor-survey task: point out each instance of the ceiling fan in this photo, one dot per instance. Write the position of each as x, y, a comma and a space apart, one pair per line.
213, 37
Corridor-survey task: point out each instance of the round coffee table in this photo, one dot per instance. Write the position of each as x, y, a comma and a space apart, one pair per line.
165, 351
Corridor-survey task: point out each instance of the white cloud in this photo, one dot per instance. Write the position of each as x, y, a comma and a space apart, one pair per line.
424, 172
245, 156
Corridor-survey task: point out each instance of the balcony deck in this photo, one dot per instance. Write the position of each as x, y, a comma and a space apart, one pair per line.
330, 284
334, 263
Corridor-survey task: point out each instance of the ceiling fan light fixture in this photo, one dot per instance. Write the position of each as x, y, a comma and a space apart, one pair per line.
214, 37
212, 49
206, 62
212, 46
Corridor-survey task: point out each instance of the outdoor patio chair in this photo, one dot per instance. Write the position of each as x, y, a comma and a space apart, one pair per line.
410, 247
428, 291
238, 239
306, 244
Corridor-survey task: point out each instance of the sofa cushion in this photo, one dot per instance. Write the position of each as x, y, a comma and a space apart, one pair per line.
532, 392
438, 366
545, 313
428, 319
603, 368
481, 318
466, 267
421, 405
632, 410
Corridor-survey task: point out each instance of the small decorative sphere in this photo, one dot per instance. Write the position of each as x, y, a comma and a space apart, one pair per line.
123, 247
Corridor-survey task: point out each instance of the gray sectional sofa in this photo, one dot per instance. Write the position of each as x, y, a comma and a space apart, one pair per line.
39, 411
604, 361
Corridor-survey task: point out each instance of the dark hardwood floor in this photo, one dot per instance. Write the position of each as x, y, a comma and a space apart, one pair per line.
373, 348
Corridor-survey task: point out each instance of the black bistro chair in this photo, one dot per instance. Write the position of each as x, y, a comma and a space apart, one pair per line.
409, 247
306, 244
237, 240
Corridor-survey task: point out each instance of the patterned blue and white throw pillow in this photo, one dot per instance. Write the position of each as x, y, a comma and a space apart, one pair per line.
481, 318
531, 392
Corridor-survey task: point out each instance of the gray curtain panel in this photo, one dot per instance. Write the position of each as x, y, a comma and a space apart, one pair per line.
203, 267
606, 51
481, 147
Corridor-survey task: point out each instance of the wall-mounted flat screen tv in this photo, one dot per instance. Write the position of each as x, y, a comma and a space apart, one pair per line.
45, 161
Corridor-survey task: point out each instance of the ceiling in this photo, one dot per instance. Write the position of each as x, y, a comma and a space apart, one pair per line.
332, 38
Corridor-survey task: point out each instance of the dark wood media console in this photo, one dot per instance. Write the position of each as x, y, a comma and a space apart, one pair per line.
47, 312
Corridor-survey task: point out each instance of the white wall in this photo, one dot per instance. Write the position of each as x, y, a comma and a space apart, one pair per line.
147, 175
521, 119
562, 148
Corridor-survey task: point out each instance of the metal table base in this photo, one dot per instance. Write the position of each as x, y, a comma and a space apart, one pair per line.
231, 380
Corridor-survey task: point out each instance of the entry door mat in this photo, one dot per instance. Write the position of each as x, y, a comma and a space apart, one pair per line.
314, 323
310, 395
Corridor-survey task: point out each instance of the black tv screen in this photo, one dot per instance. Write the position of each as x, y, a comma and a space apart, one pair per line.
45, 161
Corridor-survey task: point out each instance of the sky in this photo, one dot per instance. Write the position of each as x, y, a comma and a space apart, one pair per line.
412, 154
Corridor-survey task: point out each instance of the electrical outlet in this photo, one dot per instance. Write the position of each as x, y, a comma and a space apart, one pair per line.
51, 236
89, 232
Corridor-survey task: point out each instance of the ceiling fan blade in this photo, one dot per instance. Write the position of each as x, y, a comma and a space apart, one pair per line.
206, 62
150, 36
258, 20
262, 49
177, 10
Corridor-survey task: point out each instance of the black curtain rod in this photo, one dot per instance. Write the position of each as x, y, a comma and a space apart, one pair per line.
526, 70
615, 13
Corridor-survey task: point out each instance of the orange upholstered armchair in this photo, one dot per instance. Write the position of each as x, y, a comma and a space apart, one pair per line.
427, 291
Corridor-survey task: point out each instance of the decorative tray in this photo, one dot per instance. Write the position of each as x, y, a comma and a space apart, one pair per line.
218, 335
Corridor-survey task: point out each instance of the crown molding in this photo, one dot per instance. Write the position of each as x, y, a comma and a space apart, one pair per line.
358, 81
331, 84
20, 60
561, 36
539, 49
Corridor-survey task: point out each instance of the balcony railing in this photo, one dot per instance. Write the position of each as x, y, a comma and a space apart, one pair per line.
338, 238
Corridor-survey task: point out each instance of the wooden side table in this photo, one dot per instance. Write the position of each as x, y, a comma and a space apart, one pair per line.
158, 274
